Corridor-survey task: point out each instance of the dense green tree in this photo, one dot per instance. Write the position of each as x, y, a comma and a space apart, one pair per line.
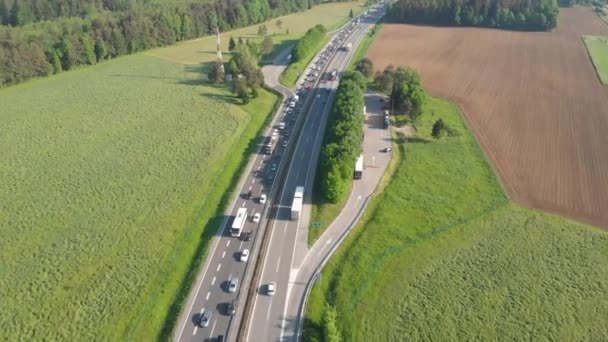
87, 53
278, 23
101, 51
240, 88
365, 66
216, 73
55, 61
231, 44
351, 14
19, 14
438, 129
506, 14
3, 13
66, 53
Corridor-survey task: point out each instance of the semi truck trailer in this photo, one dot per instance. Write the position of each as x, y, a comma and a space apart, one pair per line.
296, 205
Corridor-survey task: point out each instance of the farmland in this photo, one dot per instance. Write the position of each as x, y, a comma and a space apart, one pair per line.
106, 170
532, 99
442, 254
598, 51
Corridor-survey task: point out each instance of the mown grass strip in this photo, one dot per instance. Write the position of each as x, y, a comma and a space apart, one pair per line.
598, 51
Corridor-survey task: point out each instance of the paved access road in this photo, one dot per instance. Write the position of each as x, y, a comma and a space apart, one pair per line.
288, 247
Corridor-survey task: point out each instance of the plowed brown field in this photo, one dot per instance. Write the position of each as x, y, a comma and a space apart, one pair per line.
533, 100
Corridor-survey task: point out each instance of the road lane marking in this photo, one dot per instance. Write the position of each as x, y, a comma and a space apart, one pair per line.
223, 254
213, 281
250, 188
194, 331
208, 294
241, 246
212, 328
253, 180
243, 204
228, 243
218, 267
268, 314
278, 264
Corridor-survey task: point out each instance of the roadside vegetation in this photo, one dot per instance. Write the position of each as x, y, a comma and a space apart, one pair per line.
598, 51
541, 15
303, 53
443, 253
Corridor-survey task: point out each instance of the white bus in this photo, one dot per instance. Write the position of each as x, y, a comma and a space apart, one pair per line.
239, 222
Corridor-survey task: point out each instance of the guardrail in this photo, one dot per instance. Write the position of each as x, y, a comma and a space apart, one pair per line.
277, 186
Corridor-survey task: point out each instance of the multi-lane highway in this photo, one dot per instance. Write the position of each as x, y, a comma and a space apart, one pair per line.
288, 238
211, 295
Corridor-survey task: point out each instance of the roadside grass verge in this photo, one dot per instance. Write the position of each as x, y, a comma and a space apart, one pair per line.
443, 254
598, 51
366, 42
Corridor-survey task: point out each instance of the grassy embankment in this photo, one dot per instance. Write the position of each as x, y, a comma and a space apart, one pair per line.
116, 177
324, 213
598, 50
443, 254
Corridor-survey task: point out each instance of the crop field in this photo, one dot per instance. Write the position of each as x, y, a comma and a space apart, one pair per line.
598, 51
103, 171
532, 99
441, 254
195, 51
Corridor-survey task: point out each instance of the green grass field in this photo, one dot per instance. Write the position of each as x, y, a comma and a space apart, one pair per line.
105, 171
598, 50
442, 254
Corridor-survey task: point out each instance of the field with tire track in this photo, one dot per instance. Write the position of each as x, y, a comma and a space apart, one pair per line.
532, 99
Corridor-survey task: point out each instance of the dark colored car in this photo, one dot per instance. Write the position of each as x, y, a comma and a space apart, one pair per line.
247, 236
231, 308
220, 338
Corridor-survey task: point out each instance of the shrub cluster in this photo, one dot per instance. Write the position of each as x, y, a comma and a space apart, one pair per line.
344, 138
404, 88
44, 37
540, 15
309, 43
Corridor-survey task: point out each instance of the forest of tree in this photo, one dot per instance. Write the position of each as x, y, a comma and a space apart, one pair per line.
533, 15
44, 37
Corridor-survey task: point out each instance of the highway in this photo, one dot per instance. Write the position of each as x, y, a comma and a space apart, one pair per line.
288, 239
210, 293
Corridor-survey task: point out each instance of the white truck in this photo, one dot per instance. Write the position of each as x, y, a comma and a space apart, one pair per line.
348, 47
359, 168
296, 205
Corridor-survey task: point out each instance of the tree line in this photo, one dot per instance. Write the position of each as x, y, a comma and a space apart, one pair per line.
309, 43
538, 15
344, 139
77, 33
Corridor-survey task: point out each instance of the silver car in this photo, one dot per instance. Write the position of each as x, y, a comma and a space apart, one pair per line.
205, 319
232, 285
